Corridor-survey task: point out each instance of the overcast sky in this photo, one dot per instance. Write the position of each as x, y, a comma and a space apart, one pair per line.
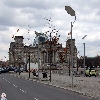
18, 14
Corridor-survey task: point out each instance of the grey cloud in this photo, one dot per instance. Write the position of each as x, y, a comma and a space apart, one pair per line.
31, 13
6, 22
3, 28
20, 13
5, 38
40, 4
7, 16
98, 12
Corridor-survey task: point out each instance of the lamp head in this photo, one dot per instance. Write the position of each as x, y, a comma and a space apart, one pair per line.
84, 36
70, 10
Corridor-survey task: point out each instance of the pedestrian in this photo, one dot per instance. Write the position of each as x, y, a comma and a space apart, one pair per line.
34, 72
3, 96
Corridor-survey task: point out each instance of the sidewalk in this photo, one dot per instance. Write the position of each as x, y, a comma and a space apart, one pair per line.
89, 86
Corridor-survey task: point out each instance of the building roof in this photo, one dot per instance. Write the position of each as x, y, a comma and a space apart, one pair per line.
18, 37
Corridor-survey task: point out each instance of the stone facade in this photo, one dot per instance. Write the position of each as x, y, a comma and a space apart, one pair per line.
68, 52
19, 53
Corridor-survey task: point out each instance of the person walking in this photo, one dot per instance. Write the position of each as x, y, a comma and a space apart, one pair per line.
34, 72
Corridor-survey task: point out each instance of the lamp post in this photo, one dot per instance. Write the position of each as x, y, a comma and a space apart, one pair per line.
84, 58
27, 59
84, 54
72, 13
50, 56
29, 63
77, 61
38, 59
38, 35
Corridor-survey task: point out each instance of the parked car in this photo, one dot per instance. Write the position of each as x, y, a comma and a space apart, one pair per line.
11, 68
17, 70
0, 70
90, 72
6, 69
3, 70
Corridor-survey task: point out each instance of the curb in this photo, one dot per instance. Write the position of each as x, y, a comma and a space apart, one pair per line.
50, 84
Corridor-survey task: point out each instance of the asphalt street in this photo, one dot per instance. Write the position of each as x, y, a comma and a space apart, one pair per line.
22, 89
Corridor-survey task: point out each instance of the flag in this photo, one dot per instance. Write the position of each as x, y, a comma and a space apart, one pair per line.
69, 33
65, 49
17, 30
13, 36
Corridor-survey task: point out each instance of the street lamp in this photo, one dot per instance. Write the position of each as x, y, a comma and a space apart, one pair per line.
38, 35
50, 56
84, 54
72, 13
29, 61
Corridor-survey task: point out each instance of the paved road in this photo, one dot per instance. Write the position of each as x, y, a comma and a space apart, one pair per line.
21, 89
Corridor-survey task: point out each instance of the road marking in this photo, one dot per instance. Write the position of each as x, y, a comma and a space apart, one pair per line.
57, 86
14, 85
22, 90
35, 98
5, 80
8, 82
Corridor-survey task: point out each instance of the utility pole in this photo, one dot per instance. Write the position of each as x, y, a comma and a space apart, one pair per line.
77, 63
29, 64
84, 54
66, 55
72, 54
84, 58
19, 68
69, 66
38, 58
50, 57
72, 13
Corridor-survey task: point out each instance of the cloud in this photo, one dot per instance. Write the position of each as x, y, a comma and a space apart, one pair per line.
16, 14
40, 4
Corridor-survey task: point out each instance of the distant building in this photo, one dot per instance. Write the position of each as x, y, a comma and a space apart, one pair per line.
68, 55
19, 53
1, 63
